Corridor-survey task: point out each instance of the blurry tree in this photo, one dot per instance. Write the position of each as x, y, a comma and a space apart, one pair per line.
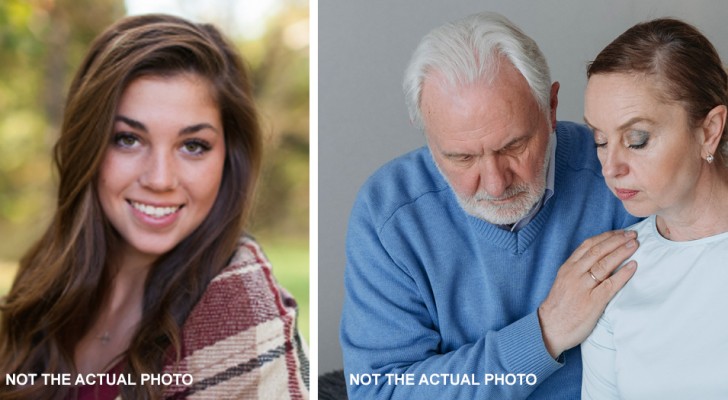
279, 62
41, 41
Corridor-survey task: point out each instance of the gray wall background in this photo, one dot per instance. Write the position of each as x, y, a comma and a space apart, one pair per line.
364, 47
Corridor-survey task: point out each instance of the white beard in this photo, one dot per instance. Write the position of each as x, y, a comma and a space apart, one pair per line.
523, 198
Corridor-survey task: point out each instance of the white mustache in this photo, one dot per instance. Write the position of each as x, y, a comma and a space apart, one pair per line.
509, 193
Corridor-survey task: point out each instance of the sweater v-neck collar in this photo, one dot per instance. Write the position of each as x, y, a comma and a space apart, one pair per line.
516, 242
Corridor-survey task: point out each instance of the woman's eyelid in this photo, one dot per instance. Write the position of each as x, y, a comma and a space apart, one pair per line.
637, 138
197, 141
600, 139
634, 138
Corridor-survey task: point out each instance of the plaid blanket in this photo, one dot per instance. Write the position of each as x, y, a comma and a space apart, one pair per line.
240, 340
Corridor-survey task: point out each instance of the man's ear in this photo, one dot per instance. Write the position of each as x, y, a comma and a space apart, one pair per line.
554, 102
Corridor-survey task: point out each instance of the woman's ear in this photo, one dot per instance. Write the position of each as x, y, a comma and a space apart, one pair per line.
713, 125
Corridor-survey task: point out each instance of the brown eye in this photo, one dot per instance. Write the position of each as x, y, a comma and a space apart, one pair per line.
196, 147
125, 140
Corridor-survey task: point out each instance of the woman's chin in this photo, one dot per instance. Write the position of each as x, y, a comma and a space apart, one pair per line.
638, 212
150, 249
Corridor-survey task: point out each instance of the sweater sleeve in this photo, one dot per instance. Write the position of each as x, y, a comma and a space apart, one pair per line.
386, 328
599, 377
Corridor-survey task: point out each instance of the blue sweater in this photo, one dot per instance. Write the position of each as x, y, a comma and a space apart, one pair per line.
446, 303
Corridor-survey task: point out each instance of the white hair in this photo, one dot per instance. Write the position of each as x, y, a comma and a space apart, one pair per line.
468, 50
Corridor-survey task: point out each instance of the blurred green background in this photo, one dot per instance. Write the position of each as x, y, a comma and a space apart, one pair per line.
43, 41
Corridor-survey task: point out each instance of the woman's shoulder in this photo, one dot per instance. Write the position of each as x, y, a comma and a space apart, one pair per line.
245, 293
248, 256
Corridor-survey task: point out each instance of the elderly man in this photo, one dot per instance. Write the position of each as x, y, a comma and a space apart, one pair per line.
453, 250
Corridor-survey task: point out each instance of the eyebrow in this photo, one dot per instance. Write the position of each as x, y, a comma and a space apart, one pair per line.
188, 130
629, 122
511, 143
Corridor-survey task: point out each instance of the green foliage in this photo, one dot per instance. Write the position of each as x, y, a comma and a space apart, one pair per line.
281, 77
7, 273
290, 266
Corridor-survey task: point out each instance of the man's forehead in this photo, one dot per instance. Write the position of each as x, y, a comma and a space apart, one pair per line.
508, 84
441, 103
489, 71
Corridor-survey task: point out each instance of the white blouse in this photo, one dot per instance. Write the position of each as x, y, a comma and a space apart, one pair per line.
665, 334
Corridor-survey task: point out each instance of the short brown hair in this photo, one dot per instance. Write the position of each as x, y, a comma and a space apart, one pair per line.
685, 64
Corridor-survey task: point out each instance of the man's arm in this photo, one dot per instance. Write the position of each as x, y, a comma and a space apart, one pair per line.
387, 329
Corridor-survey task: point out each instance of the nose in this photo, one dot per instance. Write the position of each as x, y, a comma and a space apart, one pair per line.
613, 161
160, 172
495, 175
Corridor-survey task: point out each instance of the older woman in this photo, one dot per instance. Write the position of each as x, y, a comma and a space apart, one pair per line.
144, 269
656, 101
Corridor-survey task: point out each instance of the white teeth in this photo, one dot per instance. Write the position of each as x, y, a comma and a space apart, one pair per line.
156, 212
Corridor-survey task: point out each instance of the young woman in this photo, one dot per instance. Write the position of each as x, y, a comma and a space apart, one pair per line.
656, 100
143, 269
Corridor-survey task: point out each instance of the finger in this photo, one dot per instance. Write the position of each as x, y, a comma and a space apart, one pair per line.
607, 289
597, 240
605, 266
594, 280
599, 250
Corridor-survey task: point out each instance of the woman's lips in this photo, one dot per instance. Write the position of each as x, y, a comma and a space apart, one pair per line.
155, 216
154, 211
625, 194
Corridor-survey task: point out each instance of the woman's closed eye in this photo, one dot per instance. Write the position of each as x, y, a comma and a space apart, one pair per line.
600, 139
637, 139
634, 140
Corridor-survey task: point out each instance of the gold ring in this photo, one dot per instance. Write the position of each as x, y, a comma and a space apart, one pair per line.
595, 278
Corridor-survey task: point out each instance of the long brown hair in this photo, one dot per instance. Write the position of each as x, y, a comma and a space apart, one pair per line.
64, 277
684, 63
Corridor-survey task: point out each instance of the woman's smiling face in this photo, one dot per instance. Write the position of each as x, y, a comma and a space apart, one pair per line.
164, 163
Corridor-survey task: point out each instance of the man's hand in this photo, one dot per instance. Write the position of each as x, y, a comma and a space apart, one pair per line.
583, 287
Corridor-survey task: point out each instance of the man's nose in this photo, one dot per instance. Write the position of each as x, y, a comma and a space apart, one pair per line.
495, 175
